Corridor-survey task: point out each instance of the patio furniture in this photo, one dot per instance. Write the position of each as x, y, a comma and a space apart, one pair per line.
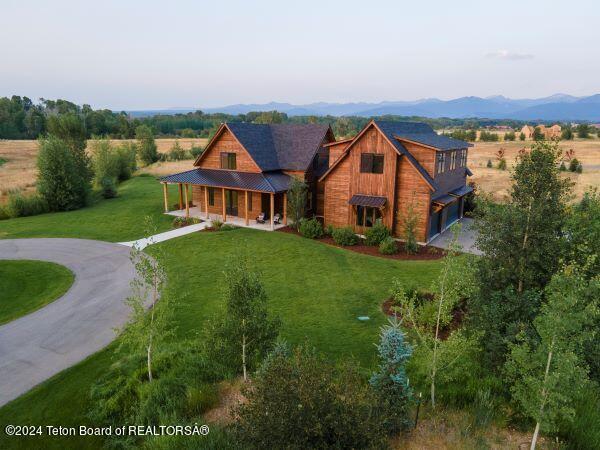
261, 218
277, 218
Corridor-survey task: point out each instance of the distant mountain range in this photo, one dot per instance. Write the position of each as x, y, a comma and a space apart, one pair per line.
556, 107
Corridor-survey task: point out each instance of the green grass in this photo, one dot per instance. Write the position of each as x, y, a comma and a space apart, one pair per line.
115, 220
29, 285
317, 290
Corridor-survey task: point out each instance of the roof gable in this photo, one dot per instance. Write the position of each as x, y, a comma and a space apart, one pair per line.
420, 133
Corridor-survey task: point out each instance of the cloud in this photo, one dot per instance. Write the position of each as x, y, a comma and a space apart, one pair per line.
507, 55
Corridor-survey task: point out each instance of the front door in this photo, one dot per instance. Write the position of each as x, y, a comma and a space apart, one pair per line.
231, 203
265, 204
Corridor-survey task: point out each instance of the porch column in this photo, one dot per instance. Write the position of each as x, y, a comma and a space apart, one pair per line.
180, 186
246, 207
206, 200
166, 196
272, 210
285, 208
187, 204
223, 205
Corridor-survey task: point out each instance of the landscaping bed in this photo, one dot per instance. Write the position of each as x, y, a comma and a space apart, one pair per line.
424, 252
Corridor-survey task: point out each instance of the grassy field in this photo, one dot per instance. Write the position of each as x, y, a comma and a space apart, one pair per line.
496, 182
18, 173
116, 220
317, 290
29, 285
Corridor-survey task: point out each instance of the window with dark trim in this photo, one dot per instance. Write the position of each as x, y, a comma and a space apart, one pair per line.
453, 160
211, 196
441, 162
367, 216
371, 163
228, 161
463, 158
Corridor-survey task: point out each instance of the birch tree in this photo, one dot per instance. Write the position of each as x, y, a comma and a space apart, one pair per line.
148, 323
547, 372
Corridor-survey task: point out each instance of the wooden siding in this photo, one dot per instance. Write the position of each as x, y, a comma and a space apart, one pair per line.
335, 151
337, 188
425, 156
411, 188
198, 199
226, 142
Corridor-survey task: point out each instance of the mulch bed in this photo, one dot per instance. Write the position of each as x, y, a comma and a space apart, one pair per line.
458, 315
424, 252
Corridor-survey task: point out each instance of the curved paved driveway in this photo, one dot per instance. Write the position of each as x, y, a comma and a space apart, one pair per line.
81, 322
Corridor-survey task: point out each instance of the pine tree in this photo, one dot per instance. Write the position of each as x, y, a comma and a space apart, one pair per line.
391, 382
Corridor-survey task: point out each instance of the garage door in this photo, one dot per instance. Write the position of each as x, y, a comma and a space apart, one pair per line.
452, 215
434, 223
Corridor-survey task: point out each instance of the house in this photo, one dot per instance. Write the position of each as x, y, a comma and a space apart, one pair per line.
527, 131
385, 172
246, 169
548, 132
393, 170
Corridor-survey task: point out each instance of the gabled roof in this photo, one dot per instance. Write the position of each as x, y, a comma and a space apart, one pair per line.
388, 129
421, 133
279, 146
263, 182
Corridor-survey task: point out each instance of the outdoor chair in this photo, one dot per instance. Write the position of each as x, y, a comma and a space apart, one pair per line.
261, 218
277, 218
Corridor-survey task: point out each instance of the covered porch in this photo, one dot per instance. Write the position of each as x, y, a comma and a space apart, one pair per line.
254, 200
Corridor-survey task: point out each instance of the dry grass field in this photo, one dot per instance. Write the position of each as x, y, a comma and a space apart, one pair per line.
18, 173
496, 182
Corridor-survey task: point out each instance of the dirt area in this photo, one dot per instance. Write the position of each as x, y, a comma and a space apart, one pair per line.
424, 252
496, 182
19, 171
230, 396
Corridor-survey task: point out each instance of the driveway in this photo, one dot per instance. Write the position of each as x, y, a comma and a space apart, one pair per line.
81, 322
466, 238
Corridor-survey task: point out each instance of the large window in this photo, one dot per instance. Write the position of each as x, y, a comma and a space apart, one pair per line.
463, 158
371, 163
453, 160
367, 216
228, 161
441, 162
211, 196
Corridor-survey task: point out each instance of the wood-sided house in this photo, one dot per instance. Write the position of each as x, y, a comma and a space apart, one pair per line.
246, 169
383, 173
390, 169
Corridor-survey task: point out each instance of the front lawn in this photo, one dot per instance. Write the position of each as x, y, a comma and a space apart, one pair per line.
29, 285
115, 220
317, 290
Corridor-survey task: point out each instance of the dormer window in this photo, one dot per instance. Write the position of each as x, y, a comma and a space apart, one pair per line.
371, 163
441, 163
228, 161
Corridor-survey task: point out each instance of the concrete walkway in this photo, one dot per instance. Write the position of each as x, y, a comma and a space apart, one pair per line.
141, 244
39, 345
466, 238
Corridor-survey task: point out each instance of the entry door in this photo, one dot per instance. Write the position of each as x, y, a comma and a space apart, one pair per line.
265, 205
231, 202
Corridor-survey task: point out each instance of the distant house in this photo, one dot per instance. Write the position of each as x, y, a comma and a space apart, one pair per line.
548, 132
246, 170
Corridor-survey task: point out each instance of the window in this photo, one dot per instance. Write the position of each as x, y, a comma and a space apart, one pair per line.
367, 216
441, 162
463, 158
371, 163
228, 161
453, 160
211, 196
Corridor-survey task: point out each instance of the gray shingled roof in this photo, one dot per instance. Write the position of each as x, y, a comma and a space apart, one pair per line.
264, 182
280, 146
367, 200
421, 133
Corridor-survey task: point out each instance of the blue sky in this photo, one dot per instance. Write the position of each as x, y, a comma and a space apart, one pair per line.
150, 54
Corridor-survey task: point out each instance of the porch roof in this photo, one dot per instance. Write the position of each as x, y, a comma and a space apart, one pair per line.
463, 190
444, 199
262, 182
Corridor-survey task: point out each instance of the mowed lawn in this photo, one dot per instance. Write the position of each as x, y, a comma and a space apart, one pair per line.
115, 220
317, 290
28, 285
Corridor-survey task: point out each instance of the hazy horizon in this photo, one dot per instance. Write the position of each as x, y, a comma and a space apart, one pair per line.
145, 55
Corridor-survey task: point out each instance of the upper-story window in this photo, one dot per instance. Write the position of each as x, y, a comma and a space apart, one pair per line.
441, 163
371, 163
463, 158
453, 160
228, 161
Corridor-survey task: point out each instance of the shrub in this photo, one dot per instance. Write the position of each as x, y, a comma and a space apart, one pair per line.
108, 187
147, 152
217, 224
21, 206
179, 222
311, 228
488, 136
196, 151
573, 164
562, 167
510, 136
502, 164
329, 230
176, 153
303, 400
377, 233
489, 164
227, 227
344, 236
61, 181
126, 160
522, 136
388, 246
4, 213
579, 168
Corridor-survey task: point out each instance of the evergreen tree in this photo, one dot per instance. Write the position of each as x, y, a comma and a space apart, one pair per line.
296, 201
391, 382
146, 148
